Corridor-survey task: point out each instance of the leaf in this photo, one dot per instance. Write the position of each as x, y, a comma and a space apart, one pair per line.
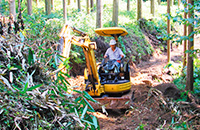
95, 122
21, 37
27, 83
5, 81
34, 87
84, 111
88, 104
30, 56
87, 96
78, 91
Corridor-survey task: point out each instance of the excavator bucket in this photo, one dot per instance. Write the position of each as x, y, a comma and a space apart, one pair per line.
111, 103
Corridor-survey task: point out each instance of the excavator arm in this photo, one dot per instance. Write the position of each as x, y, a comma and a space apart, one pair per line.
88, 48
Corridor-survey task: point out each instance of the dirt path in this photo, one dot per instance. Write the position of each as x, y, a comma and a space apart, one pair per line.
144, 113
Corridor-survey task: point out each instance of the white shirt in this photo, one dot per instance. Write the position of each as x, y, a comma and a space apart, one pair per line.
114, 55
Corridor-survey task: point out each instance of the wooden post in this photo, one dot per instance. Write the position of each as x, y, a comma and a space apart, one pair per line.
12, 9
65, 11
185, 41
128, 5
153, 7
88, 6
139, 9
115, 12
190, 78
92, 5
29, 4
168, 32
99, 14
79, 5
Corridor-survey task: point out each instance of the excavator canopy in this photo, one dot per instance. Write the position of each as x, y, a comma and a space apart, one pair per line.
111, 31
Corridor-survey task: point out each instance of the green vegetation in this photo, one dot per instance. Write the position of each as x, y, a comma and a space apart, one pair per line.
29, 92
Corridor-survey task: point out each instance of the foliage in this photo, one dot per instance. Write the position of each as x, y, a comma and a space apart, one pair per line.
4, 8
33, 90
179, 19
180, 80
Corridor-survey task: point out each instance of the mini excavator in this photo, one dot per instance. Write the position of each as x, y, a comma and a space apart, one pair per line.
101, 81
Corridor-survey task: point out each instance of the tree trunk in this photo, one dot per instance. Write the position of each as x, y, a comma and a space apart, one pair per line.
88, 6
153, 7
79, 5
185, 41
190, 78
92, 5
29, 4
159, 1
179, 2
69, 2
12, 9
0, 5
171, 2
168, 32
52, 4
48, 7
37, 1
99, 14
64, 11
139, 9
115, 12
128, 5
19, 6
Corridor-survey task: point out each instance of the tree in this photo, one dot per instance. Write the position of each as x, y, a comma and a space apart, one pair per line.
12, 8
37, 1
168, 32
152, 7
115, 12
79, 5
48, 7
159, 1
99, 14
92, 5
88, 6
69, 2
29, 6
179, 1
185, 34
128, 5
190, 79
0, 6
139, 9
52, 4
64, 11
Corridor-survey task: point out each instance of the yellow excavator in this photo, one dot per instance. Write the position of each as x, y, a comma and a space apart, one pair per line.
101, 79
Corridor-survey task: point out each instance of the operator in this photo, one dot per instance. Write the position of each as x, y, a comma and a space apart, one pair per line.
114, 53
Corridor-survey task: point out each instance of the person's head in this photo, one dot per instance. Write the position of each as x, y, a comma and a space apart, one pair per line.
113, 44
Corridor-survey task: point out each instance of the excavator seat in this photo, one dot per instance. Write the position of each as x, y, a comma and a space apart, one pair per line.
111, 72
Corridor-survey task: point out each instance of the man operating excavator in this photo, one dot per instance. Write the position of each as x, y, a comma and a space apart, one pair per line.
114, 54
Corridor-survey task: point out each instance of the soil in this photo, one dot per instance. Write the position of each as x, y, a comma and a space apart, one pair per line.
145, 111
